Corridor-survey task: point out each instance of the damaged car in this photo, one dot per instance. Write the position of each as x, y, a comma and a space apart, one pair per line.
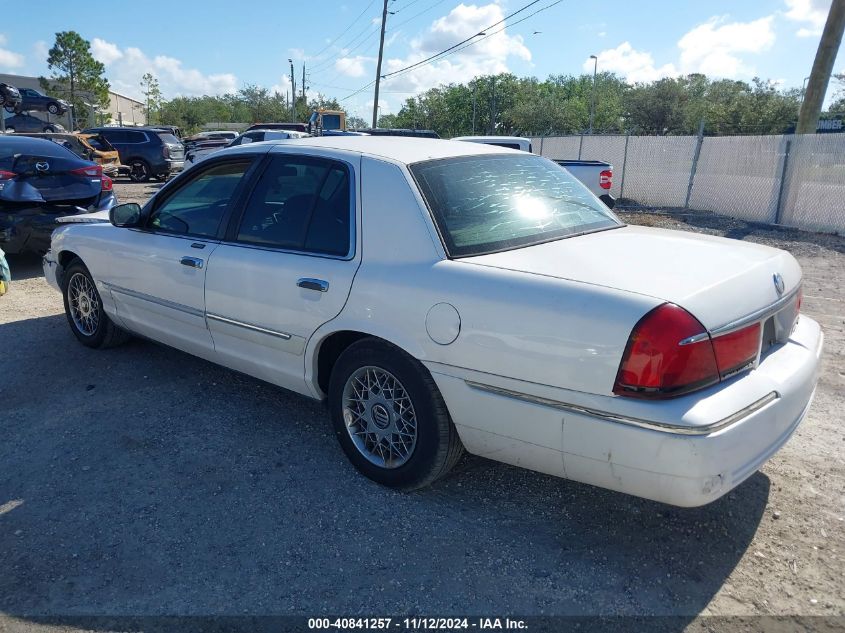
40, 182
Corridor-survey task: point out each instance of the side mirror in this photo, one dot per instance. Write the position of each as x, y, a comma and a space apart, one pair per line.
126, 215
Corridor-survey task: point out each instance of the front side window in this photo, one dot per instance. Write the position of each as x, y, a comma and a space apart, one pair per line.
197, 208
484, 204
300, 204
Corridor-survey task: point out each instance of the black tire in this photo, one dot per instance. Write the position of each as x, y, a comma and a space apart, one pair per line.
49, 129
53, 108
139, 170
106, 333
438, 447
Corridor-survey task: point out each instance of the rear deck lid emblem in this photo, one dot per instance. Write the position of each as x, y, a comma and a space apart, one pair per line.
42, 166
779, 285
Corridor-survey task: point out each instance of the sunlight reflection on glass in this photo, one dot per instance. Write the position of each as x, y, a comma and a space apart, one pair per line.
531, 208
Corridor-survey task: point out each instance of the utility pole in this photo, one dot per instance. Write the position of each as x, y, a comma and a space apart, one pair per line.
378, 65
593, 94
811, 107
292, 93
303, 82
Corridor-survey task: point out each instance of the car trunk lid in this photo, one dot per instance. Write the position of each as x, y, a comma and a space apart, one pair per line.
719, 281
50, 179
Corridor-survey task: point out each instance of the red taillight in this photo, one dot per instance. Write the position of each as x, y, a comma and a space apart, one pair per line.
737, 350
107, 183
669, 353
94, 171
799, 300
165, 151
7, 175
606, 179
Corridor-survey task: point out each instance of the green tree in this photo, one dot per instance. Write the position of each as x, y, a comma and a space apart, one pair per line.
152, 97
75, 74
357, 123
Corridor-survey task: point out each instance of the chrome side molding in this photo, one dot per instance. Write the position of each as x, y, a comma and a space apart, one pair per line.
607, 416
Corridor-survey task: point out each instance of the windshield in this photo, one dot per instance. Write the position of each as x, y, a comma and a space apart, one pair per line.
168, 138
483, 204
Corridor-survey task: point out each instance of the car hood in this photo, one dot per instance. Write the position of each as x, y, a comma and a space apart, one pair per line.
718, 280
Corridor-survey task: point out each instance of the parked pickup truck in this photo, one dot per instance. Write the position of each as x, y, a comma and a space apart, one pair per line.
595, 174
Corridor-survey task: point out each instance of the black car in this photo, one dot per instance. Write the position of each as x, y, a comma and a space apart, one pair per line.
41, 181
149, 152
10, 97
34, 100
26, 123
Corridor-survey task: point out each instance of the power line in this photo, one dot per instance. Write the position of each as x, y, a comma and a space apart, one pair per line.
357, 38
471, 41
416, 15
454, 46
467, 44
351, 24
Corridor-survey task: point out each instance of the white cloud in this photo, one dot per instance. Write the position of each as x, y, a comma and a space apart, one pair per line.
489, 56
40, 52
712, 48
104, 51
9, 59
125, 67
812, 12
351, 66
632, 64
716, 48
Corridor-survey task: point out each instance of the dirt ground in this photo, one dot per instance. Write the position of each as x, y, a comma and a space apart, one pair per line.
140, 480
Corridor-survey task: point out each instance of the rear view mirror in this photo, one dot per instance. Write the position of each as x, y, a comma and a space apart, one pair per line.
126, 215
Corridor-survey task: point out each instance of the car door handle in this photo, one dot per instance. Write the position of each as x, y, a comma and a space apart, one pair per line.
313, 284
193, 262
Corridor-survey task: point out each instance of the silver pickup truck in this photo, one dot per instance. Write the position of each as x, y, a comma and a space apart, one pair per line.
595, 174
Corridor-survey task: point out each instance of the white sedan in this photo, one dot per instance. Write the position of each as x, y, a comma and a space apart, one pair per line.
447, 296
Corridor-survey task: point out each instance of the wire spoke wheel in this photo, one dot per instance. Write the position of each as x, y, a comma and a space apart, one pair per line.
379, 417
84, 304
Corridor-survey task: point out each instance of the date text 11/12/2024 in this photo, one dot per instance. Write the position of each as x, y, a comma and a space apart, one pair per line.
417, 624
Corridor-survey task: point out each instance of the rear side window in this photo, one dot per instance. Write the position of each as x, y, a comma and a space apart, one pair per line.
166, 137
135, 137
300, 204
116, 136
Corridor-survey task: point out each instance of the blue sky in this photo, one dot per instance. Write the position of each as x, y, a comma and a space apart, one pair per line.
214, 47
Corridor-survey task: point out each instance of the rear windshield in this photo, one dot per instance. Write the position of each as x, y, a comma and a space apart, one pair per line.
167, 137
45, 148
484, 204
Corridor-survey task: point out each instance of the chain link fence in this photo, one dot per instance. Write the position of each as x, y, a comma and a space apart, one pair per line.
796, 181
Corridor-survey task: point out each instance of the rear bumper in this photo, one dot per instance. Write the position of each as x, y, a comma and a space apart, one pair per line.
174, 166
52, 270
698, 448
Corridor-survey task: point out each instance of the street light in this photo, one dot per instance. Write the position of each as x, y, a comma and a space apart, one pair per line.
804, 89
593, 96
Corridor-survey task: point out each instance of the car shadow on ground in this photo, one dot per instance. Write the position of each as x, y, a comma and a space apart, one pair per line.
25, 266
141, 480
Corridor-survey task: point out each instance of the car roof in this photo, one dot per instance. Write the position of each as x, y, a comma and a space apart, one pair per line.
401, 149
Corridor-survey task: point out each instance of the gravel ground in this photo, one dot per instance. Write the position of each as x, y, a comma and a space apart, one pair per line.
141, 480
